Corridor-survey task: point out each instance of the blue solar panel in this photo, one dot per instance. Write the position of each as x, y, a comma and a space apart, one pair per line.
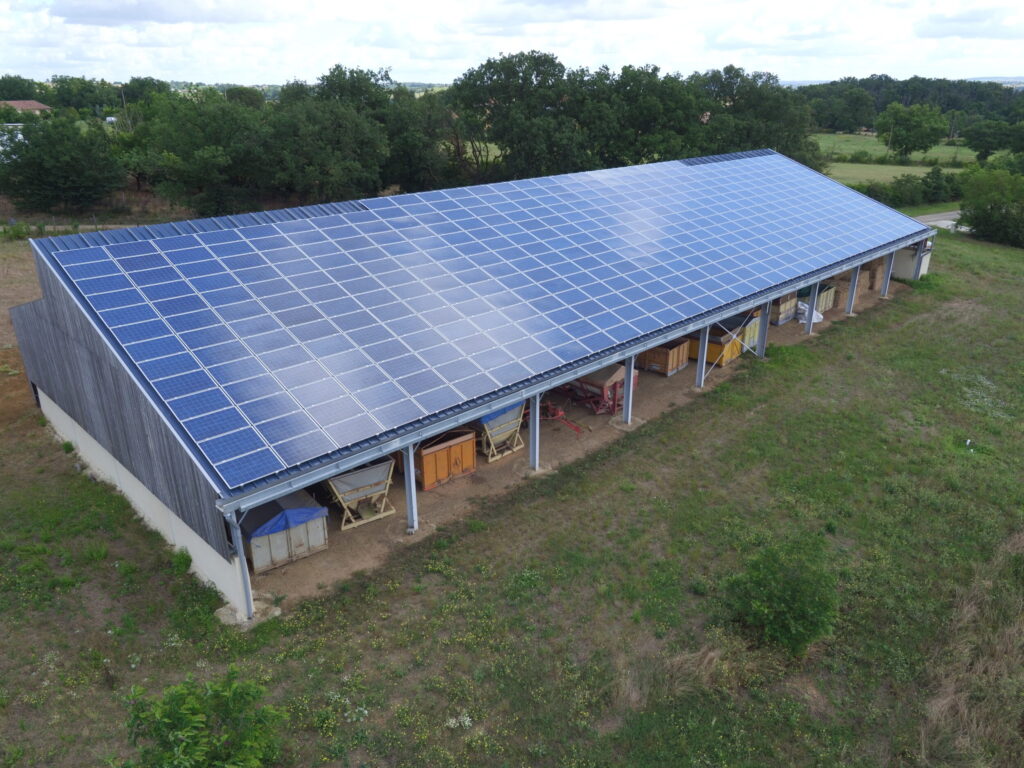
279, 337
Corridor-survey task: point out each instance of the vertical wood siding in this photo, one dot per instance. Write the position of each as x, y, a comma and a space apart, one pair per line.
66, 358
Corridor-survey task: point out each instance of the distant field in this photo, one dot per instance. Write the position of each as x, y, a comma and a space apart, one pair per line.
927, 208
860, 173
845, 144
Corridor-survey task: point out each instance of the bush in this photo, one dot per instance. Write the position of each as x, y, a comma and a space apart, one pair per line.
993, 206
786, 594
215, 725
909, 189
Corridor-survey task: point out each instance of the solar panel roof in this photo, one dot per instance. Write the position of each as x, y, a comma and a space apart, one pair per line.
279, 340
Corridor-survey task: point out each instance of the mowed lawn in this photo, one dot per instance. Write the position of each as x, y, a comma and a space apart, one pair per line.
848, 143
577, 620
861, 173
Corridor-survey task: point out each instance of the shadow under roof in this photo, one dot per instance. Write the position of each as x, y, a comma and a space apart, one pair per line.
280, 338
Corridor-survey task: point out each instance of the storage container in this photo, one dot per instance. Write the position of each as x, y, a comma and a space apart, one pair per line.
445, 457
666, 359
723, 346
751, 330
284, 530
783, 309
872, 274
842, 285
826, 298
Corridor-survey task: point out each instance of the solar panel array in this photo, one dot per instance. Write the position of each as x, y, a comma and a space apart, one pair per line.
279, 343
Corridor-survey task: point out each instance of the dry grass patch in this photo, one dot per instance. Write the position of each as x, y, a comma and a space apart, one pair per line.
977, 711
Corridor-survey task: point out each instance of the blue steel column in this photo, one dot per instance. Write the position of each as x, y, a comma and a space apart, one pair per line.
412, 517
535, 432
887, 276
919, 259
702, 355
811, 301
762, 331
627, 395
854, 277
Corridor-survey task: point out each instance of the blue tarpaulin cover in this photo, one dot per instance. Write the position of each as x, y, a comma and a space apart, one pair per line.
285, 519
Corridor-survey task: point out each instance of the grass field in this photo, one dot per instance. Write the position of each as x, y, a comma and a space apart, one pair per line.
848, 143
577, 620
859, 173
926, 208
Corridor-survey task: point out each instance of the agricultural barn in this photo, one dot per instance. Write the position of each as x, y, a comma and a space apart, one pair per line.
210, 368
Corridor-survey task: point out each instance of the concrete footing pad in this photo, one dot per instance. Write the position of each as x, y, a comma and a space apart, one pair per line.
617, 423
263, 609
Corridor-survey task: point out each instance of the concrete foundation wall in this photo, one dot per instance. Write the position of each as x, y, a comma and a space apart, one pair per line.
207, 563
904, 262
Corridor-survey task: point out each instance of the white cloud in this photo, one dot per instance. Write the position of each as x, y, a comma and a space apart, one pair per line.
979, 24
265, 41
119, 13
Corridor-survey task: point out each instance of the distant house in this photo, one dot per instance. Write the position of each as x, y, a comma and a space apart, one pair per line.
27, 105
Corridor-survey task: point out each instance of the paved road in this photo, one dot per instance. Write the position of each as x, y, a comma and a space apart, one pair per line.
945, 220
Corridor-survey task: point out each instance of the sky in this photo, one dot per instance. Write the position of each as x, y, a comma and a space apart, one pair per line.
275, 41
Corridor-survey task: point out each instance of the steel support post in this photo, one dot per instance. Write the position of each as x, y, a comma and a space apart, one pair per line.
412, 517
919, 259
887, 276
851, 299
702, 355
535, 432
762, 331
627, 395
812, 300
236, 540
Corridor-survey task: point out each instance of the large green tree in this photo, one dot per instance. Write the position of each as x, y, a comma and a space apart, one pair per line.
743, 111
993, 206
366, 91
637, 116
9, 114
86, 95
141, 88
58, 165
17, 88
845, 107
916, 128
210, 150
415, 129
319, 151
521, 104
245, 94
987, 137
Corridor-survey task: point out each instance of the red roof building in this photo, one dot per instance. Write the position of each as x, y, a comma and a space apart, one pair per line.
27, 105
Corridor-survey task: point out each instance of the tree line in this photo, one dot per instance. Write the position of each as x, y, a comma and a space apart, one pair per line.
851, 103
355, 133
